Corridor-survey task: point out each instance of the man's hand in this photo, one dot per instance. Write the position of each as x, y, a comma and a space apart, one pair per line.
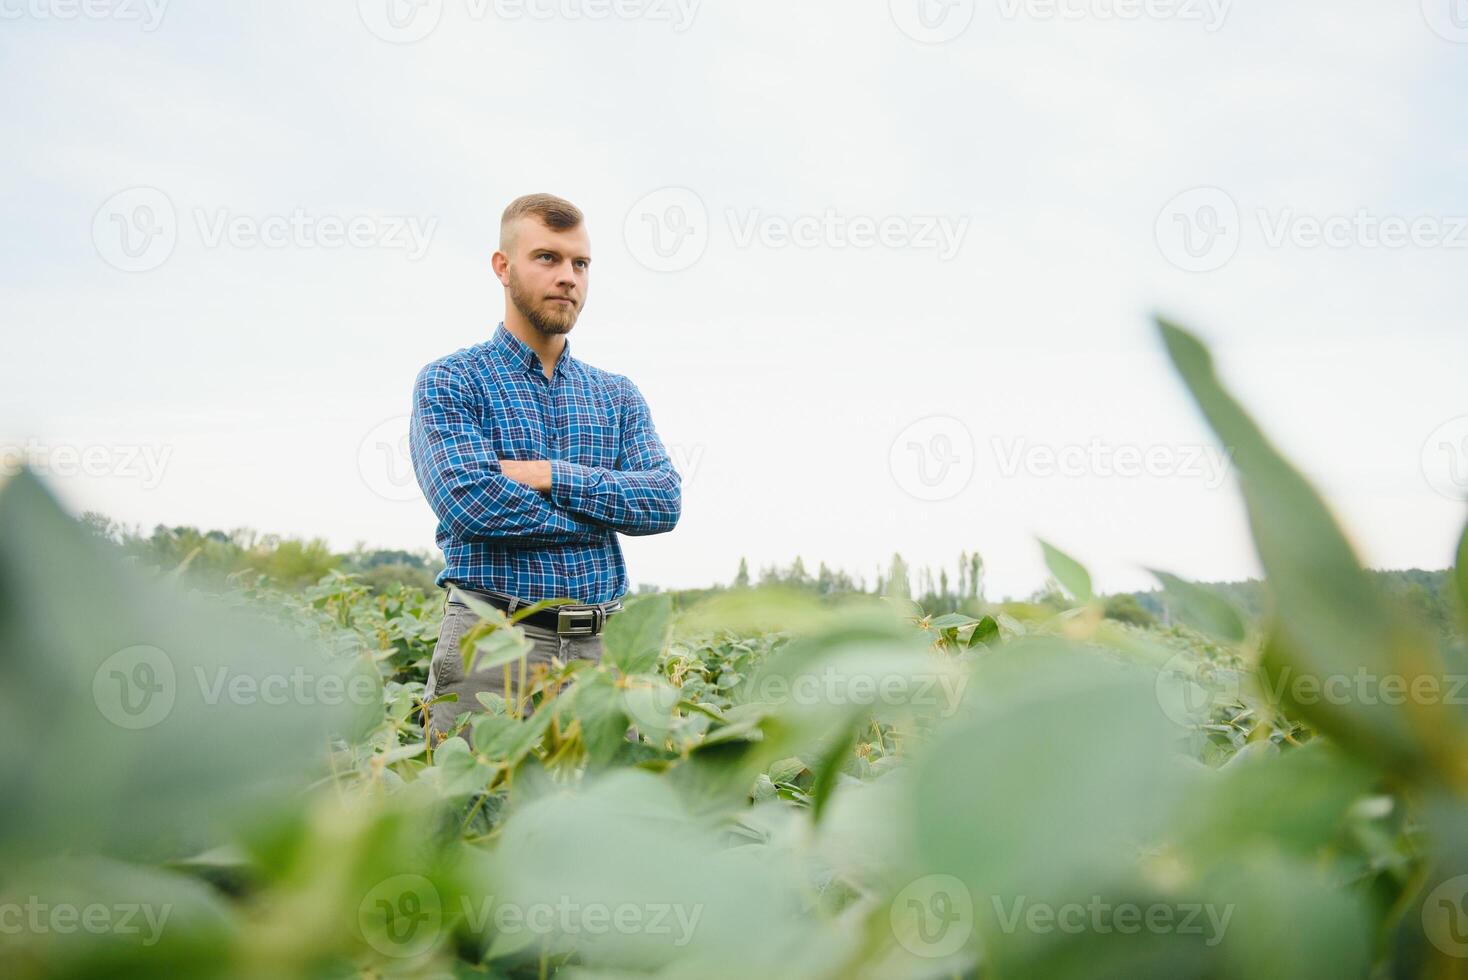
534, 473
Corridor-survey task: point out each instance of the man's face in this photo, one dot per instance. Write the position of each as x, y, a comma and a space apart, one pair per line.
549, 272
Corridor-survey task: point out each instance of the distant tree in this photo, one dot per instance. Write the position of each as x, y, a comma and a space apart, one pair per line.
897, 585
1126, 609
741, 578
798, 575
976, 577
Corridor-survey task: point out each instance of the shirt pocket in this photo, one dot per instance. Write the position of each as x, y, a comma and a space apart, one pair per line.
514, 437
594, 442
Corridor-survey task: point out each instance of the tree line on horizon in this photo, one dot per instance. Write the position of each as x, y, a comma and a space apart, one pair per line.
216, 559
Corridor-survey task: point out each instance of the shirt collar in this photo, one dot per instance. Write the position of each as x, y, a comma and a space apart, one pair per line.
518, 353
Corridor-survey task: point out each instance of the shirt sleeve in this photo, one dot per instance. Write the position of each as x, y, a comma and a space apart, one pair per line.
643, 494
460, 475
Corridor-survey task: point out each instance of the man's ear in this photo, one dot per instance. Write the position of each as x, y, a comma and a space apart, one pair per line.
501, 263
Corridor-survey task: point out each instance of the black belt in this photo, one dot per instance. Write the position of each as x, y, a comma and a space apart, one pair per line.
576, 619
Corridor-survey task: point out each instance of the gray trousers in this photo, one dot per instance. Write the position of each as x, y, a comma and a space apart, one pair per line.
446, 670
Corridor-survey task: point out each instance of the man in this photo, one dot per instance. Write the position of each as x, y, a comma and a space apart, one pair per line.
533, 461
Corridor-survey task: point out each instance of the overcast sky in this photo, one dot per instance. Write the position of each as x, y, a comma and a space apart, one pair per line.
884, 271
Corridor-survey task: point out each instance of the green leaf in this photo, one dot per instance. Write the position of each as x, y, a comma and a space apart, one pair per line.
785, 770
536, 607
157, 923
1071, 574
950, 620
187, 718
1330, 622
513, 742
489, 645
633, 638
649, 701
490, 731
597, 702
1203, 610
460, 771
987, 631
828, 769
1051, 776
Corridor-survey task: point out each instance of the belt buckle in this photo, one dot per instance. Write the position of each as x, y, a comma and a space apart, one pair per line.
568, 622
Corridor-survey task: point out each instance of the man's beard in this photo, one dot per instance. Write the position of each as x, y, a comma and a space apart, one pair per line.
544, 316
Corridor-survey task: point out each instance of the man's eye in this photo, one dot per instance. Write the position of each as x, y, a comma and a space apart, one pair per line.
582, 263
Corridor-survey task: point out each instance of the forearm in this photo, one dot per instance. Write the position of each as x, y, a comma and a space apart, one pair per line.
634, 502
492, 507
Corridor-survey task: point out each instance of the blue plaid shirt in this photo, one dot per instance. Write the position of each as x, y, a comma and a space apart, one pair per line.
609, 470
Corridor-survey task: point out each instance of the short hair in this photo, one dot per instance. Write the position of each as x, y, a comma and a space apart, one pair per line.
556, 212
